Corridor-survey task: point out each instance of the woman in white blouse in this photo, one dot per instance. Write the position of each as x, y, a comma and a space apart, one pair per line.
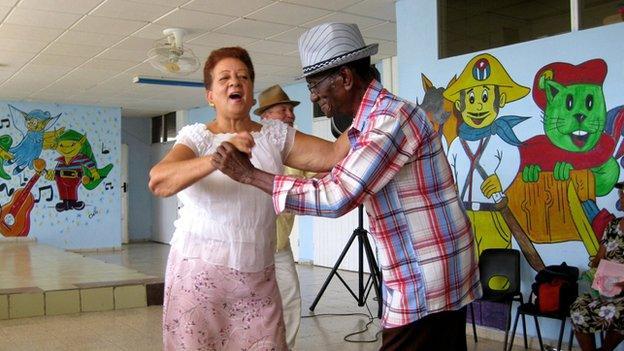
220, 287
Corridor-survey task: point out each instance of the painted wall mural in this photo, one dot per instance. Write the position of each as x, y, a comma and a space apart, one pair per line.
542, 189
55, 185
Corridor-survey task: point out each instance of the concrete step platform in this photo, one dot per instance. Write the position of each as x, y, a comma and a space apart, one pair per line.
37, 280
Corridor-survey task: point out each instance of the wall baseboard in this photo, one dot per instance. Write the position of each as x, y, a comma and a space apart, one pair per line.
97, 249
140, 241
15, 239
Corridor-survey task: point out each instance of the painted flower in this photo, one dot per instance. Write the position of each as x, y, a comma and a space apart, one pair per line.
607, 312
612, 245
578, 318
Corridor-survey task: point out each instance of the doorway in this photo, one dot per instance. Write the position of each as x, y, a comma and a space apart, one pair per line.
124, 194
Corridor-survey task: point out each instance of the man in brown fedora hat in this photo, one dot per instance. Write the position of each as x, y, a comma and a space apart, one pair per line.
274, 103
397, 168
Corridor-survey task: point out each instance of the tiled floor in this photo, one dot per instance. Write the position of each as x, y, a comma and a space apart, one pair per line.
37, 279
30, 264
149, 258
140, 328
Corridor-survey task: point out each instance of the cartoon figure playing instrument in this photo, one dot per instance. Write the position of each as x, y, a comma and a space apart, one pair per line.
33, 126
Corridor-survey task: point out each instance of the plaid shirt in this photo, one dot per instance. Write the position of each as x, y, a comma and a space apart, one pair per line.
397, 168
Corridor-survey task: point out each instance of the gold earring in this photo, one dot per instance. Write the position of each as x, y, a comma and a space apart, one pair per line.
211, 104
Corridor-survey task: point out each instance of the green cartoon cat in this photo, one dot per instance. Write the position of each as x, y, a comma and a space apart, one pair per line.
574, 120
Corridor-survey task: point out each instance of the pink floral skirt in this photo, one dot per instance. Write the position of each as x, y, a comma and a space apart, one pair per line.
210, 307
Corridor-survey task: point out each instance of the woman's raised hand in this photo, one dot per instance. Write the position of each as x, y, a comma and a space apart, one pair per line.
244, 142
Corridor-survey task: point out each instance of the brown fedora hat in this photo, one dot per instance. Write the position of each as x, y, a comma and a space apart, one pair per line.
273, 96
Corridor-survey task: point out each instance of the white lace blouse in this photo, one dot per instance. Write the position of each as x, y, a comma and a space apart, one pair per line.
224, 222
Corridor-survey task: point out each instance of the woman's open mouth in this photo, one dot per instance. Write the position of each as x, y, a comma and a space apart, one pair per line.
236, 97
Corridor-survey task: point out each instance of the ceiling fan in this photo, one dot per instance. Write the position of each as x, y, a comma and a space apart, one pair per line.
170, 56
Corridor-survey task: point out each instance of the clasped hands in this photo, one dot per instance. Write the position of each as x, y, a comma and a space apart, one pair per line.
233, 157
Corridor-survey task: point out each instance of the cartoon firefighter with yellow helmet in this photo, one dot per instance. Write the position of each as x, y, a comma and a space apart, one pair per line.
485, 156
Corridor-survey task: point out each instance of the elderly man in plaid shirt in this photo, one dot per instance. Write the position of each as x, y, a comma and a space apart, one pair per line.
395, 167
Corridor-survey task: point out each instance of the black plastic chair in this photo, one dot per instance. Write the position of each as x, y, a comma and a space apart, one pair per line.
530, 309
495, 263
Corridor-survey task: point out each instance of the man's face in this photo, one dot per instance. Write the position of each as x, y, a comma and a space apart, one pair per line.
282, 112
478, 105
327, 93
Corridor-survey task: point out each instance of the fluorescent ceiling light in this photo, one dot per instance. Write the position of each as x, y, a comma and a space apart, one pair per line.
168, 81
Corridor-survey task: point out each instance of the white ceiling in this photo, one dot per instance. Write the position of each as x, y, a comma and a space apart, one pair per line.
87, 51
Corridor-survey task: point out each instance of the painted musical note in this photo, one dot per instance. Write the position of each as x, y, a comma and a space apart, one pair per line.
4, 187
104, 150
108, 186
23, 179
5, 123
43, 189
92, 214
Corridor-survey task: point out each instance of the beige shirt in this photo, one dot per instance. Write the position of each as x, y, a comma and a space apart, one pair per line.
285, 220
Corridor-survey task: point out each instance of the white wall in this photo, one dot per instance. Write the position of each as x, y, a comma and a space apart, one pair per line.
136, 133
332, 234
164, 210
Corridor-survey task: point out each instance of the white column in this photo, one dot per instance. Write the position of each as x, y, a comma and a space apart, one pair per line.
575, 15
181, 119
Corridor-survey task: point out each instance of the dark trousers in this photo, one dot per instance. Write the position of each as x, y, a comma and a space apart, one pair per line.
442, 331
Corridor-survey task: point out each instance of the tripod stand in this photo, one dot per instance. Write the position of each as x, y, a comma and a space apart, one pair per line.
374, 278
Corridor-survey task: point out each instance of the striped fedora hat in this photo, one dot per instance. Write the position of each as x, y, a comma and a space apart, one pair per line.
330, 45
